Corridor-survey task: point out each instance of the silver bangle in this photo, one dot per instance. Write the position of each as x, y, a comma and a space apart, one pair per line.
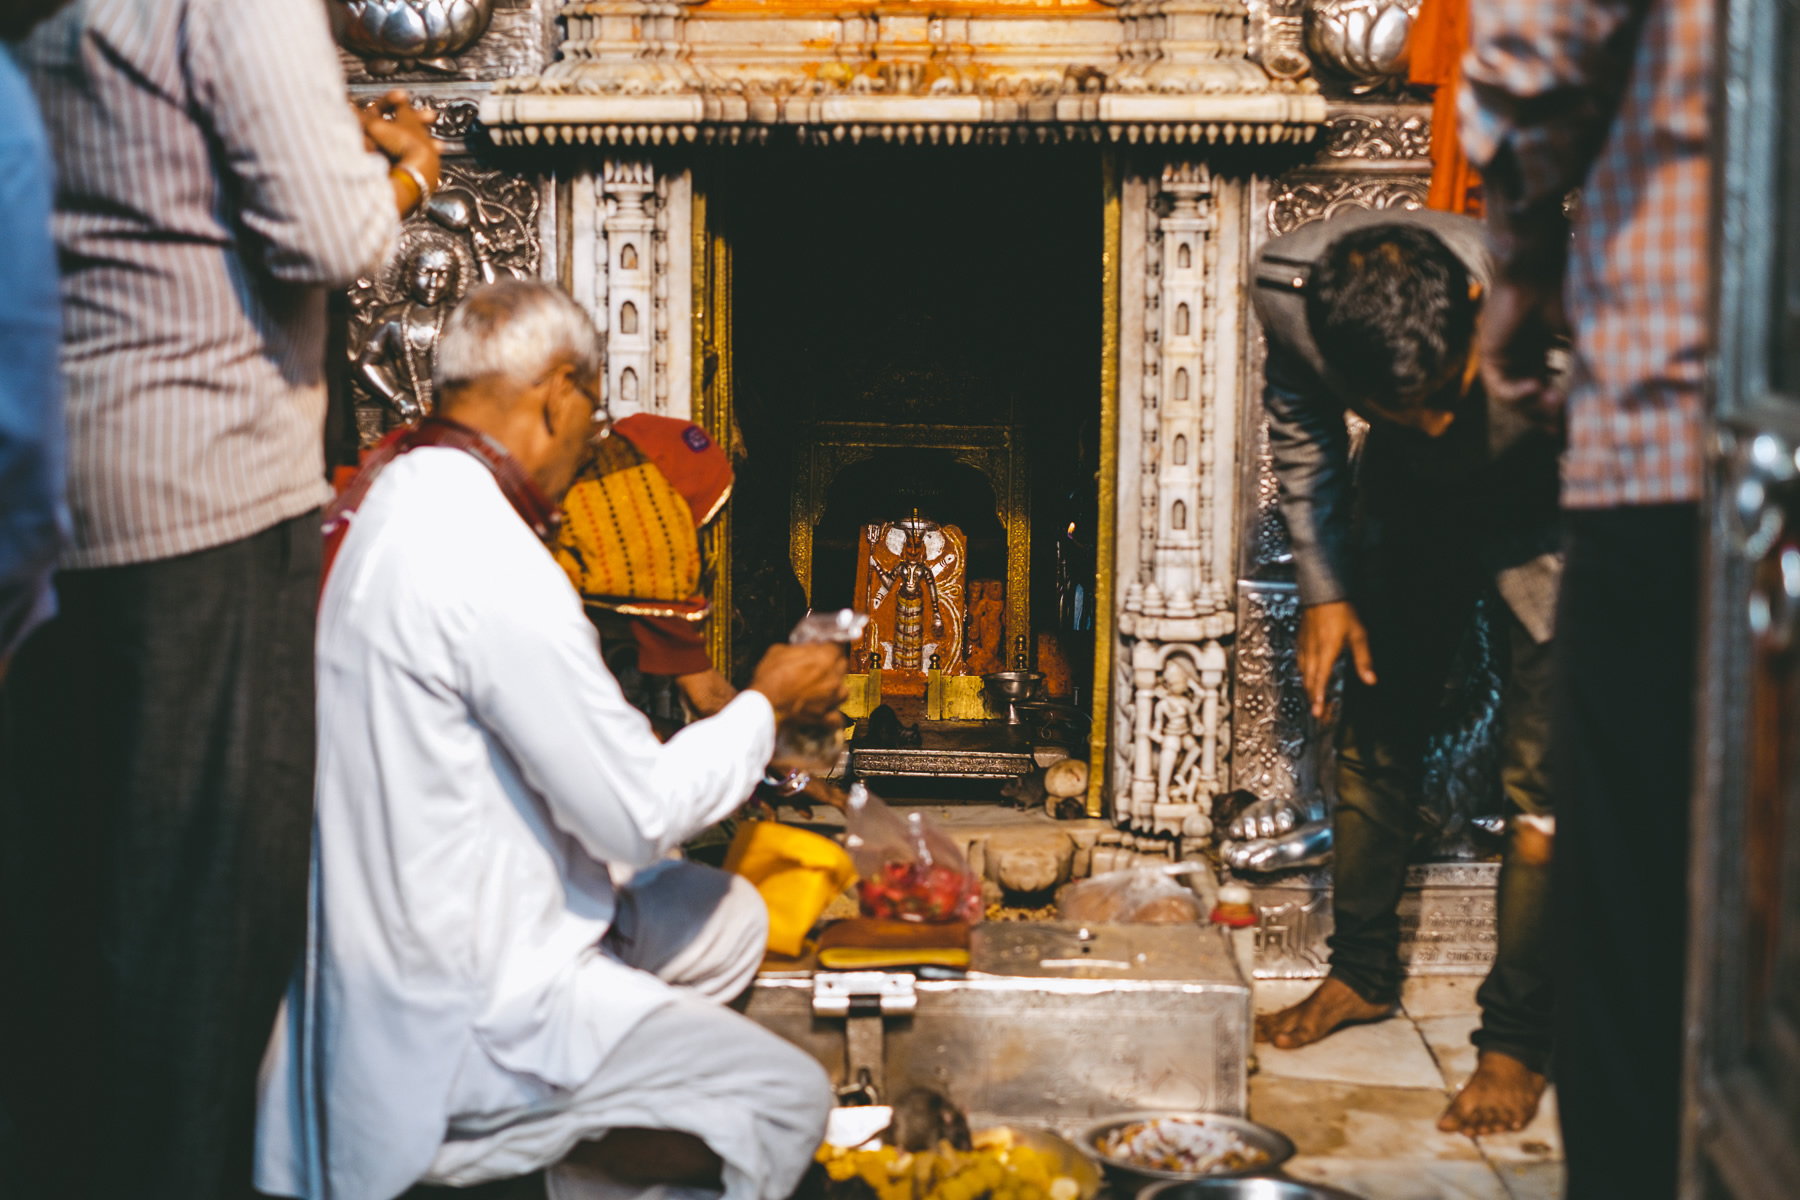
418, 178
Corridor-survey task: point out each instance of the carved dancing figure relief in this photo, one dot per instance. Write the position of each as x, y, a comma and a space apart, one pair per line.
1172, 729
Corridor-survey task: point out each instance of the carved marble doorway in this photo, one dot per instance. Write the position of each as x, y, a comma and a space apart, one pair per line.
948, 308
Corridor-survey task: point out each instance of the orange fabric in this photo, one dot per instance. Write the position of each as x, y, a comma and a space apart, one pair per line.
689, 459
1440, 37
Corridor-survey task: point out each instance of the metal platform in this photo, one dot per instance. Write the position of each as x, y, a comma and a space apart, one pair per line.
1053, 1024
951, 750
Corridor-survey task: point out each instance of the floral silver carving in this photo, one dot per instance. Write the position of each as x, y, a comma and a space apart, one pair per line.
1369, 136
1270, 705
1300, 201
402, 35
1366, 40
479, 226
455, 119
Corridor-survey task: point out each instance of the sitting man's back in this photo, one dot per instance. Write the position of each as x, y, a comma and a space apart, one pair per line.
480, 997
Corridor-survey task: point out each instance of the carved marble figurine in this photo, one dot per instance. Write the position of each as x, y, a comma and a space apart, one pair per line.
394, 361
1173, 729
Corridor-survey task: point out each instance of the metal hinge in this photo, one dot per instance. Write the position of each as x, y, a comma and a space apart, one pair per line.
862, 993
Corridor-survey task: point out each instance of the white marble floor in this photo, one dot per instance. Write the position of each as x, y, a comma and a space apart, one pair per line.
1363, 1104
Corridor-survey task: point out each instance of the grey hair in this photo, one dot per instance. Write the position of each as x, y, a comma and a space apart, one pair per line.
517, 330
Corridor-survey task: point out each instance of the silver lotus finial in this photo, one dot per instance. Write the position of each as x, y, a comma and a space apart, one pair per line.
396, 35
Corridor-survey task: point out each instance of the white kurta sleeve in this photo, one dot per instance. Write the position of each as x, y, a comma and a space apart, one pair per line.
537, 683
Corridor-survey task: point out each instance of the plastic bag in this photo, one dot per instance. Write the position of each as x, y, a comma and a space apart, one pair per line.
910, 871
844, 625
1134, 896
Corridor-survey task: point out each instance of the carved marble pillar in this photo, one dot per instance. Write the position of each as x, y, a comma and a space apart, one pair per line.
630, 267
1186, 231
1176, 616
627, 229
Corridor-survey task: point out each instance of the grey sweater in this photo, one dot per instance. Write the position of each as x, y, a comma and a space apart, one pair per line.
1506, 472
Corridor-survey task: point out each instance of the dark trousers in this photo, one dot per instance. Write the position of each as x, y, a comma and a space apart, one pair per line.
156, 742
1621, 765
1415, 627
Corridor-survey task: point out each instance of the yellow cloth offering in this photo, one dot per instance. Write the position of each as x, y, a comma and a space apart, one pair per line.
797, 873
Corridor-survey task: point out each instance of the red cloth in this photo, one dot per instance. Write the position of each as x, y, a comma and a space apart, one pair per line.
670, 646
526, 498
688, 458
700, 470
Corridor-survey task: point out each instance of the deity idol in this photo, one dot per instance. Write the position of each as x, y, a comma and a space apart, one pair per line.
394, 361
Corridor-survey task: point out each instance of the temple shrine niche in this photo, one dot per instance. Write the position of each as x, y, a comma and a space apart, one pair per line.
974, 269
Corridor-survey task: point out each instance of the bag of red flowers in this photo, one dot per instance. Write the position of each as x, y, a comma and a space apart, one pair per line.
909, 870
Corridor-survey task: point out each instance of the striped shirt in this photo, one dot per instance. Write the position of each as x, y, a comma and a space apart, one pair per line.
1545, 77
212, 185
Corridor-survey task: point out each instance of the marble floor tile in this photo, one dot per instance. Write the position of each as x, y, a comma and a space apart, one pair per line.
1532, 1181
1448, 1038
1273, 995
1540, 1141
1339, 1120
1398, 1179
1439, 995
1387, 1053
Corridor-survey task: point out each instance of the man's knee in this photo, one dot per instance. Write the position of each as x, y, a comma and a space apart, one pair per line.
696, 927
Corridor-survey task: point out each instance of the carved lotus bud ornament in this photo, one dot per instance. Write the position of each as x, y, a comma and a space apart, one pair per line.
1367, 40
396, 35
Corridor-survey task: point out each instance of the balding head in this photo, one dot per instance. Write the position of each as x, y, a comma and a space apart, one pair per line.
520, 361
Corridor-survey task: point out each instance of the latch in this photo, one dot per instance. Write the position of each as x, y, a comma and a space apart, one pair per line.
863, 993
863, 999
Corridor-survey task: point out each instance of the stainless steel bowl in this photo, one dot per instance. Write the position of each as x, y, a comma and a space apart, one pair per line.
1272, 1142
1243, 1189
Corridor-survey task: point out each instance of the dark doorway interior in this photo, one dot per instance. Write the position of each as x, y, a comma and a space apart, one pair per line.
911, 287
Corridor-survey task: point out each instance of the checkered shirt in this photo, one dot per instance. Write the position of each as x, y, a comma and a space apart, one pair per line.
1544, 78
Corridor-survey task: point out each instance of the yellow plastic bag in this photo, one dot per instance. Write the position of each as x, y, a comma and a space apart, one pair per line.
797, 872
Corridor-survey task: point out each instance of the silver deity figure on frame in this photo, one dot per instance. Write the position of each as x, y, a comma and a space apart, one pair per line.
394, 360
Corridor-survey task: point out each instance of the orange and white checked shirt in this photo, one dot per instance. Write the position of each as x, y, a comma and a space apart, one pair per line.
1545, 77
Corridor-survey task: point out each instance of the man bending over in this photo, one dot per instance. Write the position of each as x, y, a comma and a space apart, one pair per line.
481, 999
1455, 506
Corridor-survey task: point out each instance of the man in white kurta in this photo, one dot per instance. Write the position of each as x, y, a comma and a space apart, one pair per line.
479, 997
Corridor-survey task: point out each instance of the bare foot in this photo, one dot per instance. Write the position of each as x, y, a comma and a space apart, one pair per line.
1501, 1097
1332, 1006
